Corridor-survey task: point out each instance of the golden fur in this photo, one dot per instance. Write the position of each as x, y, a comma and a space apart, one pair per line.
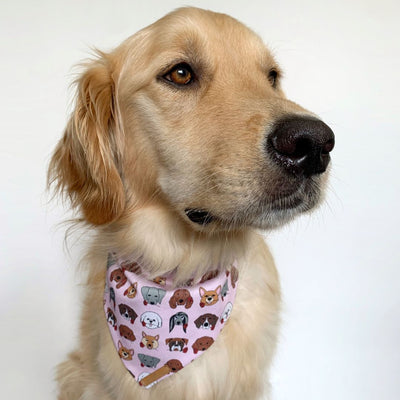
137, 152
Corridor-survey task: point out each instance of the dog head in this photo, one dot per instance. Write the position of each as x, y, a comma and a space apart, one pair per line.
148, 361
152, 295
127, 333
206, 321
125, 353
202, 344
151, 320
127, 312
150, 342
176, 117
209, 297
179, 319
181, 297
176, 344
174, 365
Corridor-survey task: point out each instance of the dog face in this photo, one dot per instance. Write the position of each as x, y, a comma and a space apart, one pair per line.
177, 344
160, 280
181, 297
118, 276
125, 353
127, 333
209, 297
152, 295
174, 365
151, 320
206, 321
202, 344
148, 361
131, 291
127, 312
150, 342
179, 319
200, 129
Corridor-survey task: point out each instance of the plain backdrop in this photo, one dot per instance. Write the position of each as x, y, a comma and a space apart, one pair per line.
339, 267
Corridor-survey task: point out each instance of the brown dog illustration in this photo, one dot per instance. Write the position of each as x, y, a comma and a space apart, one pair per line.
174, 365
127, 333
177, 344
118, 276
150, 342
209, 297
127, 312
131, 291
202, 344
124, 353
206, 321
160, 280
181, 297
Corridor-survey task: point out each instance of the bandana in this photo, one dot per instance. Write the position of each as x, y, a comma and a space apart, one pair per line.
158, 329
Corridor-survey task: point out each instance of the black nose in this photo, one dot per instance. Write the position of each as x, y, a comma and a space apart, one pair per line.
301, 145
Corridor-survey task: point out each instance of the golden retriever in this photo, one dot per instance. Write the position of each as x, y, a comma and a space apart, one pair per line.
181, 147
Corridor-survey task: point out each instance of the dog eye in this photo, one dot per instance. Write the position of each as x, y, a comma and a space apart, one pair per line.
181, 74
273, 77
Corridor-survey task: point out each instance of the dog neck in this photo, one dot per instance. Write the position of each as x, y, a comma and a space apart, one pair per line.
165, 243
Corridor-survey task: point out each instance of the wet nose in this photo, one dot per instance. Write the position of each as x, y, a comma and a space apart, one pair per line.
301, 145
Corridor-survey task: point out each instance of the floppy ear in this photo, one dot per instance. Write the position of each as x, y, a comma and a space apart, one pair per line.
161, 293
145, 291
85, 162
171, 323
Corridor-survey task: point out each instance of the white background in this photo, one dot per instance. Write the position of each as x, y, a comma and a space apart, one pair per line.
339, 267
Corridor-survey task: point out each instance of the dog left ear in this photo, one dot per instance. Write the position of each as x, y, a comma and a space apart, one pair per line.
85, 164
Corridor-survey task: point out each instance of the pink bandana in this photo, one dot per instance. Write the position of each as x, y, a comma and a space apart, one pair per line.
158, 330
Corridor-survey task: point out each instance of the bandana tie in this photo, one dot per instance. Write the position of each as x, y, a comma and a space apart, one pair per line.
157, 329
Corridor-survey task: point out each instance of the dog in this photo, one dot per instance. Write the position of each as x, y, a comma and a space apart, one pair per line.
177, 344
127, 333
206, 321
209, 297
181, 297
131, 291
150, 342
179, 319
125, 353
148, 361
180, 148
152, 295
151, 320
202, 344
127, 312
118, 275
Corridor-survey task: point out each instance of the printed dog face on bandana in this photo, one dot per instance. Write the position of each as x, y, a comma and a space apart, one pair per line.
209, 297
152, 295
151, 320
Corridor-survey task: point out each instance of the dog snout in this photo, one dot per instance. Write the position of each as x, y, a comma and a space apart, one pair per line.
301, 145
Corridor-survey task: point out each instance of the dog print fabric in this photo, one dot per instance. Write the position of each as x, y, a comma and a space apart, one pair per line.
156, 329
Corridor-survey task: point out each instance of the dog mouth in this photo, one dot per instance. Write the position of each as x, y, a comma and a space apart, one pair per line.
265, 210
200, 217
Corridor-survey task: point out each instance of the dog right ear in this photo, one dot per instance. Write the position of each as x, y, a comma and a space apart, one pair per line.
85, 162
